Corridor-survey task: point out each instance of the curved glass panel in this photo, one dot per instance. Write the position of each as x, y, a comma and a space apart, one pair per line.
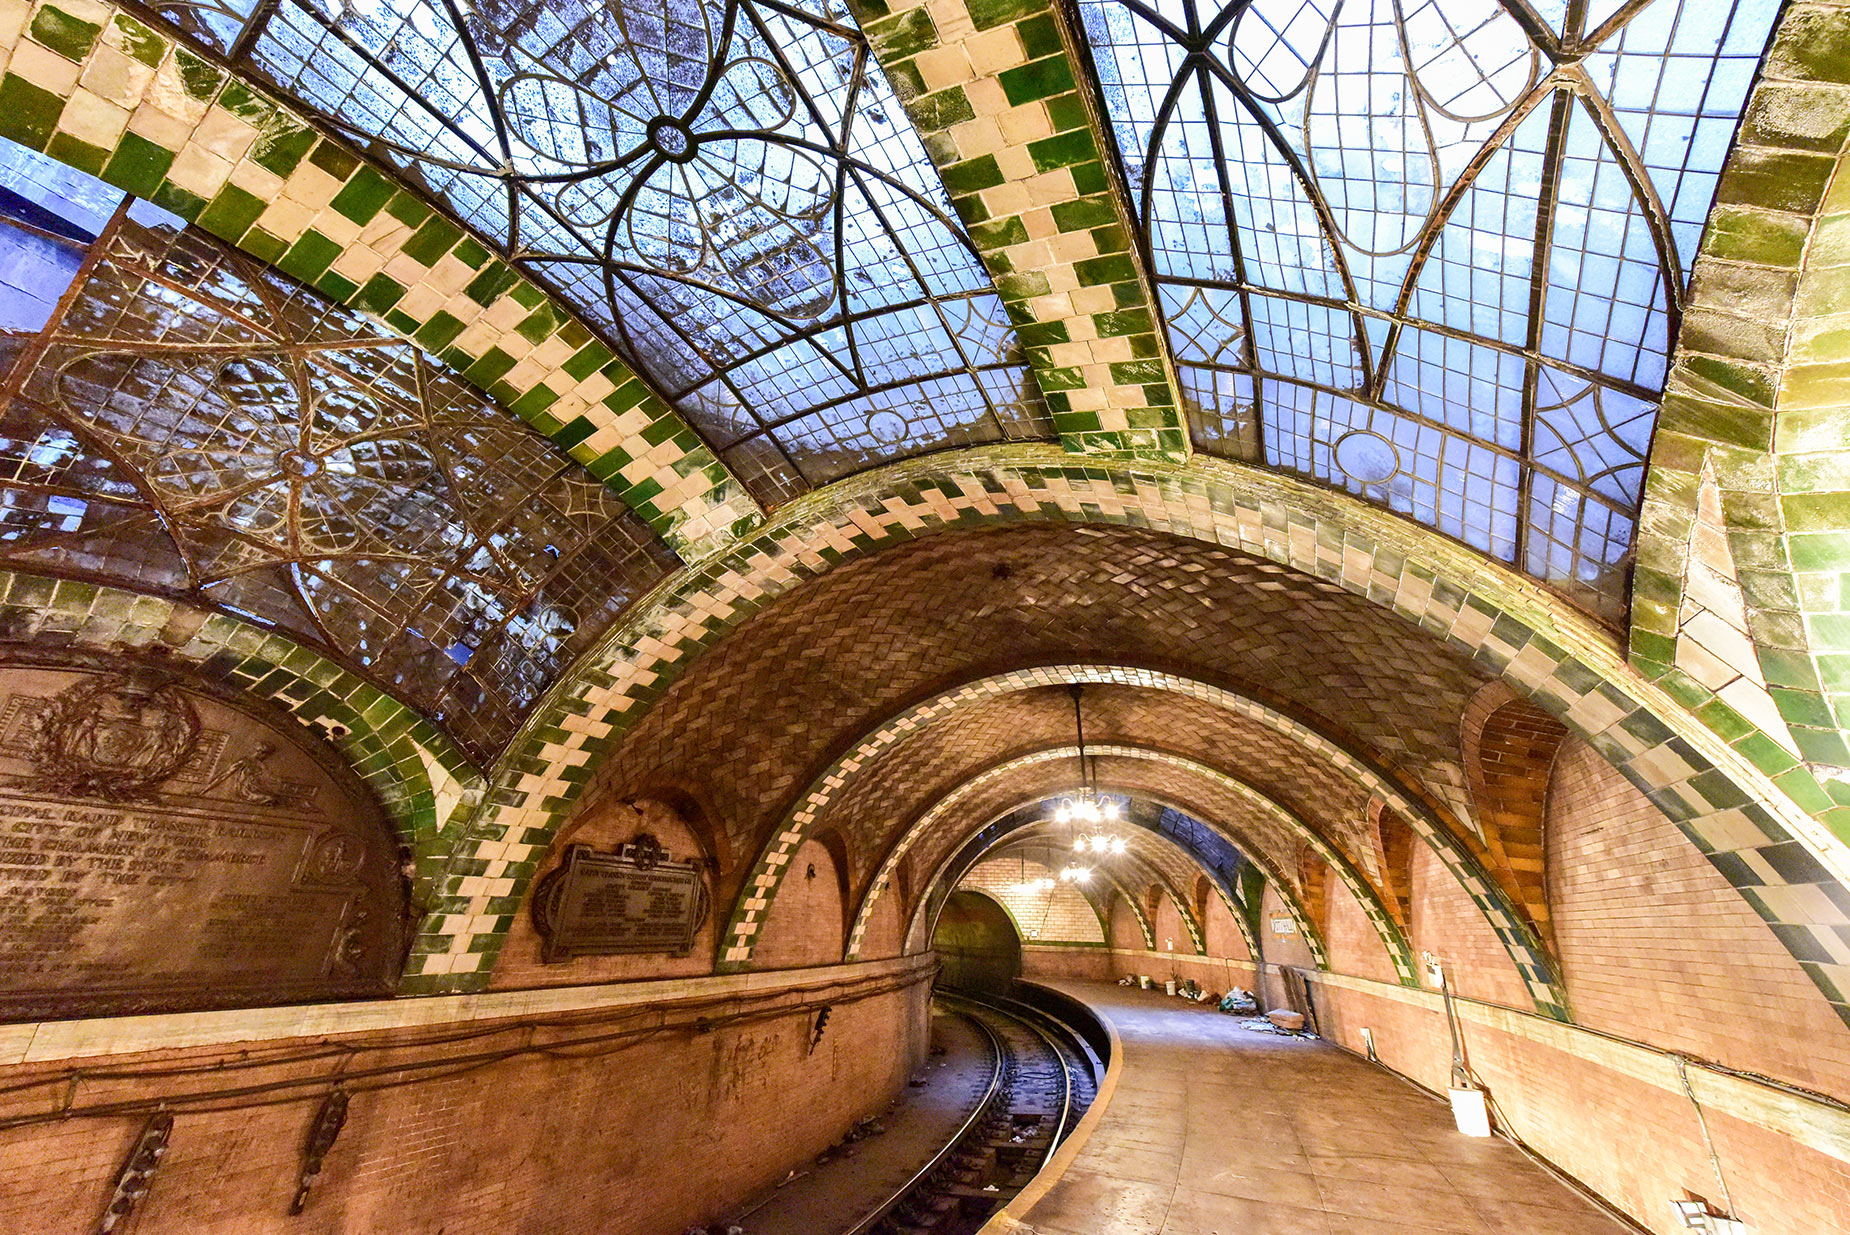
182, 419
1432, 251
729, 190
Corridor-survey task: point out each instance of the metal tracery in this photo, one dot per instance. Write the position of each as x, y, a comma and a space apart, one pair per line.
185, 420
731, 192
1432, 251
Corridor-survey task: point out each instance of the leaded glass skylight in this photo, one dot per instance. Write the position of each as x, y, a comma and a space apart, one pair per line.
1432, 251
181, 419
730, 191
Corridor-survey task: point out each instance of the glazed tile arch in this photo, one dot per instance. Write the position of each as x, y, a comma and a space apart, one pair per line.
878, 885
427, 788
1752, 414
1518, 937
948, 870
1143, 870
1391, 933
1771, 849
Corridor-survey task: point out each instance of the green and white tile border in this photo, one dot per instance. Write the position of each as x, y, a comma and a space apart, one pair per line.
1518, 937
1757, 398
942, 813
428, 789
995, 89
1788, 864
89, 84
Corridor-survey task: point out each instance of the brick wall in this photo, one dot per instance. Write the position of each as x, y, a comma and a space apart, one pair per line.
804, 925
1062, 914
1223, 934
1656, 945
1448, 923
1637, 1144
676, 1128
1656, 949
1353, 943
605, 824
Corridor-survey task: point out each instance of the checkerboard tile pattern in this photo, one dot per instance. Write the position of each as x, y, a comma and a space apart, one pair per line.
1754, 408
89, 84
425, 785
1512, 626
994, 88
1148, 784
943, 814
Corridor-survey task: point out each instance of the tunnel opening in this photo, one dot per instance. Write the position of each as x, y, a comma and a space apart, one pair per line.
977, 944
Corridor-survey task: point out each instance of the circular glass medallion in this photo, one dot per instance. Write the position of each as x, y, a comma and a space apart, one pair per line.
298, 464
671, 139
888, 427
1367, 457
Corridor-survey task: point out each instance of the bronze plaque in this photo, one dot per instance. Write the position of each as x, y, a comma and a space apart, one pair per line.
608, 904
164, 848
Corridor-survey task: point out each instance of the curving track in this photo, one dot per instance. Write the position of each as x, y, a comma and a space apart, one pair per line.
1043, 1078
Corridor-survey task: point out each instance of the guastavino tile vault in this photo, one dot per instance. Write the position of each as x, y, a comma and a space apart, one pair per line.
1043, 616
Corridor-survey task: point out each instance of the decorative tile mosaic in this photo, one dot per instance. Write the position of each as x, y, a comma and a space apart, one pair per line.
993, 88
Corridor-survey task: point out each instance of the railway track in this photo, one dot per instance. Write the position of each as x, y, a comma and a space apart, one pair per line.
1044, 1076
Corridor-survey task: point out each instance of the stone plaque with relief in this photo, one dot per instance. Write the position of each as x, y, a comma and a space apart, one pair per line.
165, 847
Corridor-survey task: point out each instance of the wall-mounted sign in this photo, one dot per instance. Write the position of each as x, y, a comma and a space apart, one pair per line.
610, 904
167, 847
1284, 926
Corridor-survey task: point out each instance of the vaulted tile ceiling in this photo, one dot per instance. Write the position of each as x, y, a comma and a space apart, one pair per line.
1429, 252
1432, 251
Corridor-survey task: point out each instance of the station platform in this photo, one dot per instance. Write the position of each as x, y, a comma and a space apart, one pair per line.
1215, 1129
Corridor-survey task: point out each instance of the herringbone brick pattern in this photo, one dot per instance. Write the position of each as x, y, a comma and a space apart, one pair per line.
830, 660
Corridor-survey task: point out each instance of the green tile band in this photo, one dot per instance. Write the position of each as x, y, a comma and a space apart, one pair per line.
1019, 149
89, 84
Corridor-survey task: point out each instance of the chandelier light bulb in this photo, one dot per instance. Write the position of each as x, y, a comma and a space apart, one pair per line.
1064, 814
1111, 811
1117, 844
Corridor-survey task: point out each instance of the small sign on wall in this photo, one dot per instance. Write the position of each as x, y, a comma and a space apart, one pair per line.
1284, 926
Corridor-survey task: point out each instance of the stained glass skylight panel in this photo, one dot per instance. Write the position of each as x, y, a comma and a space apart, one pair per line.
190, 422
729, 191
1432, 251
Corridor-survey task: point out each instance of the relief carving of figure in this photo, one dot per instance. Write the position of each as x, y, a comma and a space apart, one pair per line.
250, 782
118, 736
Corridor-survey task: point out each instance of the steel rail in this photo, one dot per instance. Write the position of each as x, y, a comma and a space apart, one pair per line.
977, 1112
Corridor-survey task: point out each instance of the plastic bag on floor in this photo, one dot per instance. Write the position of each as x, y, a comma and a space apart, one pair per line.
1239, 1002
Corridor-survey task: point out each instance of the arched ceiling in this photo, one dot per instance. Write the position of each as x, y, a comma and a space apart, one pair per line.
440, 233
814, 671
1433, 253
729, 192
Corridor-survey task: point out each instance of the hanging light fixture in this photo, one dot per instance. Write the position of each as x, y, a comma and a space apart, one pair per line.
1086, 808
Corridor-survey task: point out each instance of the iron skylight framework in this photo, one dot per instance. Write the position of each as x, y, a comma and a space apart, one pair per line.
1432, 251
186, 420
730, 191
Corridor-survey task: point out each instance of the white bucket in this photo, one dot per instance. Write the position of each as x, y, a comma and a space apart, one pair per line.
1471, 1111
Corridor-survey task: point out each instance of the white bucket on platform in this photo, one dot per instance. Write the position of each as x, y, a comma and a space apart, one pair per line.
1471, 1111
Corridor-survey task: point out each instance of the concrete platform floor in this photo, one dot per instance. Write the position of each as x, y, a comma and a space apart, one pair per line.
1217, 1130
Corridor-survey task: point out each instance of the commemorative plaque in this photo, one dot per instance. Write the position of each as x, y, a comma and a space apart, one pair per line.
610, 904
163, 847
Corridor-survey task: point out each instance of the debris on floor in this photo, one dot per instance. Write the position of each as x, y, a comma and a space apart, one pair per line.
1239, 1003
